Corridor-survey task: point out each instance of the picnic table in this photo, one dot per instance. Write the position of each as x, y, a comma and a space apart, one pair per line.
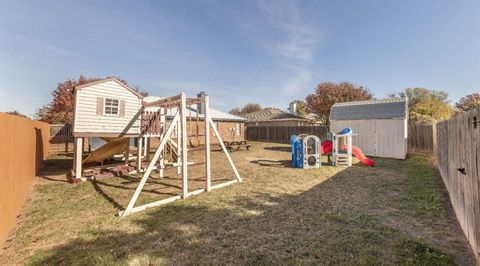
236, 145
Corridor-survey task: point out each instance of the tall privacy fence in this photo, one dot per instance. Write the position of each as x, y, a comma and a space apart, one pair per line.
23, 146
61, 138
420, 137
458, 159
281, 134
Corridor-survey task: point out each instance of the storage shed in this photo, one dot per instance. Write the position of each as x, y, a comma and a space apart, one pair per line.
379, 126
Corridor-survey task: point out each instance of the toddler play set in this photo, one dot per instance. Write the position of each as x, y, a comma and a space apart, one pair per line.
307, 150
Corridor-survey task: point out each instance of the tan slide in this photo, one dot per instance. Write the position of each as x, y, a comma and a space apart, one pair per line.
108, 150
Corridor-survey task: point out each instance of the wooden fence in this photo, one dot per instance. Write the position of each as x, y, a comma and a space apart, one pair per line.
421, 138
61, 138
458, 159
23, 146
281, 134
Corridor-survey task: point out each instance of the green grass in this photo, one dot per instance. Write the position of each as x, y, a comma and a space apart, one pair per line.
395, 213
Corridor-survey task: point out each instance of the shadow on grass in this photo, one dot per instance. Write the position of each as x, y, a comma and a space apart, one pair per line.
331, 223
279, 148
273, 163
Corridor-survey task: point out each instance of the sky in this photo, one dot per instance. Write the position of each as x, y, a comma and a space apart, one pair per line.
267, 52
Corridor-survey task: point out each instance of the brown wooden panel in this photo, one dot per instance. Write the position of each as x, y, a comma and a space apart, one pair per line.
24, 144
458, 160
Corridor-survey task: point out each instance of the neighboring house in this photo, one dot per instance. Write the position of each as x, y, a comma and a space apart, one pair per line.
276, 117
379, 126
230, 127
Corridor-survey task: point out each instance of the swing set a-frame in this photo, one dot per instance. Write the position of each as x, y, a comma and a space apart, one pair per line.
165, 132
179, 121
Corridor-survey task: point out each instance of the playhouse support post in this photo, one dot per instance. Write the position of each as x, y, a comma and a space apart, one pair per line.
183, 113
206, 117
147, 148
78, 157
127, 153
139, 154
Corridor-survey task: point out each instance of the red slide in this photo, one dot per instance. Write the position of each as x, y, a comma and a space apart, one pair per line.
363, 159
327, 147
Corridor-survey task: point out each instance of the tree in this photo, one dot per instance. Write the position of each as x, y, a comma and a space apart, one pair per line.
416, 95
236, 111
301, 107
426, 105
250, 108
17, 113
60, 109
468, 102
430, 111
328, 93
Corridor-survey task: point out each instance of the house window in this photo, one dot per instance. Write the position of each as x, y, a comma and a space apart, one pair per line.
111, 106
237, 129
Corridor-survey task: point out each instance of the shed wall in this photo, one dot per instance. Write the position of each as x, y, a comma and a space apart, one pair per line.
377, 137
86, 118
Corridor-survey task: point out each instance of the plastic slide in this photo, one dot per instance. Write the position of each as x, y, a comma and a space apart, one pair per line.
112, 147
360, 156
327, 147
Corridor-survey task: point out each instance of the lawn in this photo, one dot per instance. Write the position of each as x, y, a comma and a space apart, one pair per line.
394, 213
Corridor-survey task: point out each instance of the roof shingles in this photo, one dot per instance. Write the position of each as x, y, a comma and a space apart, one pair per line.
394, 108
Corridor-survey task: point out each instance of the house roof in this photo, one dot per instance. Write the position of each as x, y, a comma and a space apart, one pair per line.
215, 114
393, 108
107, 80
272, 114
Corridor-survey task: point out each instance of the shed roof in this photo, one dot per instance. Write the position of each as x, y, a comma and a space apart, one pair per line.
272, 114
392, 108
215, 114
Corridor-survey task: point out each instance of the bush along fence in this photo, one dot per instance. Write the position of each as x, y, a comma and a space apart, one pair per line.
282, 134
24, 144
458, 159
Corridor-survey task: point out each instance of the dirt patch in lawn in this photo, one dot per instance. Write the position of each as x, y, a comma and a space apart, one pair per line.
395, 213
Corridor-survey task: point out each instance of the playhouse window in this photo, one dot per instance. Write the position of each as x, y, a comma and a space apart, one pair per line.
111, 106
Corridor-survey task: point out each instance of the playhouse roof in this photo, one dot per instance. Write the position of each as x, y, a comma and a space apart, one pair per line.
392, 108
214, 113
107, 80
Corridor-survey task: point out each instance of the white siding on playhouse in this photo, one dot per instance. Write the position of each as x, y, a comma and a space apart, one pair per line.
377, 137
86, 119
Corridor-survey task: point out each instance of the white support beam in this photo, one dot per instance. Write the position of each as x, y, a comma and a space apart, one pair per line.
150, 167
149, 205
127, 153
78, 157
147, 148
208, 171
163, 127
183, 113
139, 154
224, 184
237, 175
179, 145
